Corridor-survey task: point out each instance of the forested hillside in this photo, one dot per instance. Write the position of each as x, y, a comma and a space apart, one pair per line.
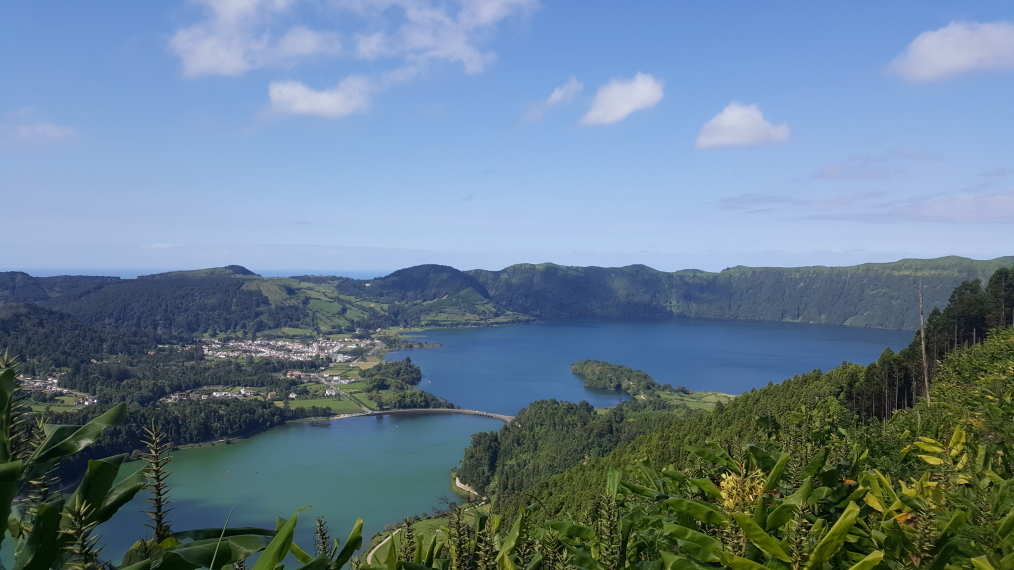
881, 295
234, 301
849, 395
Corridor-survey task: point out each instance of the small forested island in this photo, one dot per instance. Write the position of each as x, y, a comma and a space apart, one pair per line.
390, 385
607, 376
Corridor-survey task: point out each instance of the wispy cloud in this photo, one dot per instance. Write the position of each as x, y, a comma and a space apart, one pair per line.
858, 168
756, 203
873, 166
236, 36
955, 49
997, 173
962, 207
28, 126
619, 98
352, 95
740, 125
561, 94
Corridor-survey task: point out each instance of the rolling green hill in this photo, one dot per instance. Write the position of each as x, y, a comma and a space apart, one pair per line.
883, 295
234, 300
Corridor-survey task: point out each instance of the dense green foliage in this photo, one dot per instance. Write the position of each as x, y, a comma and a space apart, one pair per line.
408, 400
47, 340
187, 422
608, 376
548, 437
180, 305
402, 370
878, 391
146, 378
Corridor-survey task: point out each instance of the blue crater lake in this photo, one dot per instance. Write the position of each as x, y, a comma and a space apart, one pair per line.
384, 469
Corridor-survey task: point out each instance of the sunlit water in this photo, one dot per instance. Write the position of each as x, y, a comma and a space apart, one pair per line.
384, 469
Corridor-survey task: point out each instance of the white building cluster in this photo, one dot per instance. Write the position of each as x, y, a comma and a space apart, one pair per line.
284, 350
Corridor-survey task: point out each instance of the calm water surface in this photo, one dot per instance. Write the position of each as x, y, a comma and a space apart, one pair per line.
503, 369
385, 469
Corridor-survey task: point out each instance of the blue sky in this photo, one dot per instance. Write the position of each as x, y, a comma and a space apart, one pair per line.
355, 135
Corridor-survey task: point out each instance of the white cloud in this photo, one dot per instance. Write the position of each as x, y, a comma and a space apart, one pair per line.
45, 131
740, 125
304, 42
350, 96
620, 97
236, 36
28, 125
957, 48
561, 94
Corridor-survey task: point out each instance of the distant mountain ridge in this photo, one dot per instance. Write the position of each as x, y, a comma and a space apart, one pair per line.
233, 299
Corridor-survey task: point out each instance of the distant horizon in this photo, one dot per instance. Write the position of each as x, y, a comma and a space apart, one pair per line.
131, 273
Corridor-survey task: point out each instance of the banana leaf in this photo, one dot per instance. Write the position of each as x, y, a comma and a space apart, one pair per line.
40, 550
834, 539
279, 545
354, 543
700, 511
869, 562
761, 539
56, 445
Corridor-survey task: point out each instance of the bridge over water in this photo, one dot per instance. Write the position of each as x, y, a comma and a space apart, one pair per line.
419, 411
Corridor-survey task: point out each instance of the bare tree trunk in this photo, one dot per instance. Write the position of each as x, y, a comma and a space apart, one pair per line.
922, 328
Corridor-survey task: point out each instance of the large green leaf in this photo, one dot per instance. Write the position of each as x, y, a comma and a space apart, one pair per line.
119, 495
676, 562
354, 543
776, 472
1006, 526
834, 539
869, 562
98, 479
781, 515
708, 487
279, 545
699, 511
571, 530
738, 563
708, 455
52, 448
696, 544
10, 481
321, 562
982, 563
761, 539
204, 553
816, 464
642, 491
613, 479
206, 533
942, 557
40, 550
